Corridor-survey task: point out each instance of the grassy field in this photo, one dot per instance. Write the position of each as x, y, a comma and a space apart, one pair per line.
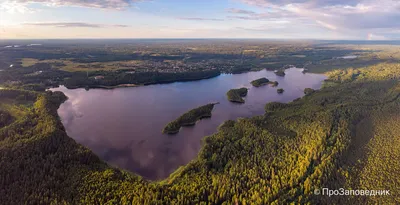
26, 62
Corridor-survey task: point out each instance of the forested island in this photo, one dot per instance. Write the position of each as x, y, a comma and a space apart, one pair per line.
274, 83
236, 95
259, 82
280, 90
263, 81
280, 73
189, 118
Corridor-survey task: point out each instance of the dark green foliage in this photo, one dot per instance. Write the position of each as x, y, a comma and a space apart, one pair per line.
5, 118
274, 83
345, 135
263, 81
260, 82
308, 91
280, 73
280, 90
34, 87
120, 77
275, 106
236, 95
189, 118
30, 78
14, 94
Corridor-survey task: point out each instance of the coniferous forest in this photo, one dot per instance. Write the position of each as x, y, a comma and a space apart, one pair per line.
345, 135
236, 95
189, 118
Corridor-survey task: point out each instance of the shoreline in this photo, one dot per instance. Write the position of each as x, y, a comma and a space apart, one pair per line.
138, 85
168, 82
189, 123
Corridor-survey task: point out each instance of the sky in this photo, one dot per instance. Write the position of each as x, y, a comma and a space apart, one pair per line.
275, 19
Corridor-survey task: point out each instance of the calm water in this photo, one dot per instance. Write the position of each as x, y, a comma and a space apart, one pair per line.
123, 126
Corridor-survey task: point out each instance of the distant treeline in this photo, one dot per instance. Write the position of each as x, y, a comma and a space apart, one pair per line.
115, 78
342, 136
41, 76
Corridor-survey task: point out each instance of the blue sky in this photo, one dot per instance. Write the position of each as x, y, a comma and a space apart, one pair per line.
284, 19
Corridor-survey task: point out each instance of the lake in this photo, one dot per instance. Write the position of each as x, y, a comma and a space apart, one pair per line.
124, 126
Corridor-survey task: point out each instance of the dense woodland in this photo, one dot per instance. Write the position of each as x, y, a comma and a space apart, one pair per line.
260, 82
39, 76
308, 91
280, 73
263, 81
236, 95
344, 135
189, 118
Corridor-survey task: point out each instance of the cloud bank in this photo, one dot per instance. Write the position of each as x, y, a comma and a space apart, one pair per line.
74, 25
199, 19
23, 5
355, 17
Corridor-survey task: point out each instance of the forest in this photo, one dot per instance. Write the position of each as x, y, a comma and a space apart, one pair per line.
260, 82
280, 73
111, 64
38, 77
344, 135
236, 95
263, 81
189, 118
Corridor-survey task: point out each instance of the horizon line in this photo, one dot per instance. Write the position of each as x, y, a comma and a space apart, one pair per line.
285, 39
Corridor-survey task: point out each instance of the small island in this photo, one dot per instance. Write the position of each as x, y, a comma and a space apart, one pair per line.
189, 118
263, 81
280, 90
274, 83
260, 82
236, 95
280, 73
308, 91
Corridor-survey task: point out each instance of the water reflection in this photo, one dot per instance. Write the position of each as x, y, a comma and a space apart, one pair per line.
123, 126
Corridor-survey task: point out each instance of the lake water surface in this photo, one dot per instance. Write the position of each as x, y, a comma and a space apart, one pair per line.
123, 126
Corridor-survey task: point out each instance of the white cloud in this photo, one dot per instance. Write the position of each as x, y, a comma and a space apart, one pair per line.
326, 25
343, 16
74, 25
372, 37
199, 19
23, 6
15, 7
